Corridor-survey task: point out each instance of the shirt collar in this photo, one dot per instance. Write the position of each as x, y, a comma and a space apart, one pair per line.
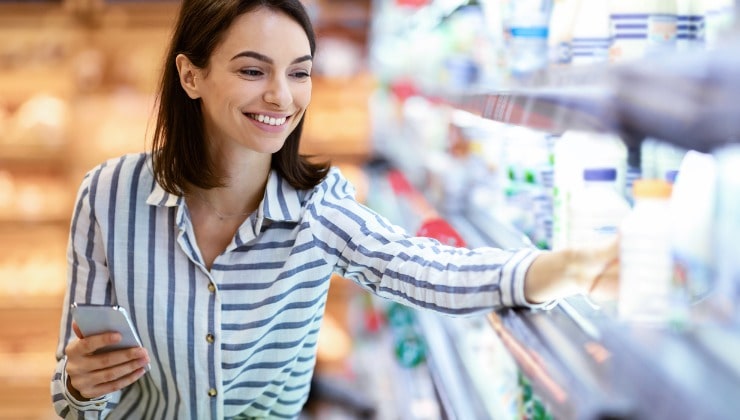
281, 201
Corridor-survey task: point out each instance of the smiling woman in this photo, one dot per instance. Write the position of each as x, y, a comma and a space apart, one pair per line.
249, 72
221, 242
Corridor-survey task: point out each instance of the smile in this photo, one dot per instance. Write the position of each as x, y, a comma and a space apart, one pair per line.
264, 119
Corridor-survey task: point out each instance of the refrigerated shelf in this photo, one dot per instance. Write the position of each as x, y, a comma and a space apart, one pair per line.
582, 361
629, 99
590, 365
585, 362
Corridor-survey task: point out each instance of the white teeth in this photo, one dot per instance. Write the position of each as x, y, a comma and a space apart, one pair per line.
269, 120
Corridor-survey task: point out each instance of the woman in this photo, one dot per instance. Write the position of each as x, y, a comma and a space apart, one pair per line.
222, 240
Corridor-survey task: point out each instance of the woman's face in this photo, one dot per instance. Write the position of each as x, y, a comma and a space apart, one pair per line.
258, 82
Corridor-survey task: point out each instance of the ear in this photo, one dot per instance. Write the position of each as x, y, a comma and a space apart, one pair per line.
189, 74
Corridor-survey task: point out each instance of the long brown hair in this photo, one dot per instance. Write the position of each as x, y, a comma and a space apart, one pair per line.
179, 154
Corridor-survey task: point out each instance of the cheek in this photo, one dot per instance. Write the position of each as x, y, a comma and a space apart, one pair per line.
302, 95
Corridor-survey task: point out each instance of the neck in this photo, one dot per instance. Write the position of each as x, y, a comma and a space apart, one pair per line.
244, 173
237, 199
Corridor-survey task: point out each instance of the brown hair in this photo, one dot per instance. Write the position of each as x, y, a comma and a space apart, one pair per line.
179, 154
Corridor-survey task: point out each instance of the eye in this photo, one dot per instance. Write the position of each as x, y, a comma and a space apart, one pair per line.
251, 73
301, 74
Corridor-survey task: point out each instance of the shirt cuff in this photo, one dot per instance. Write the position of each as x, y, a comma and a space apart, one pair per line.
513, 273
95, 404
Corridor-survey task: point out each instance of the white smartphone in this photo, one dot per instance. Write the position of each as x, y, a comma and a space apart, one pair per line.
97, 319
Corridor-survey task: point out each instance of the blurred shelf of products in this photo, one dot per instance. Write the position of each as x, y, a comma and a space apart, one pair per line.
77, 86
482, 123
518, 122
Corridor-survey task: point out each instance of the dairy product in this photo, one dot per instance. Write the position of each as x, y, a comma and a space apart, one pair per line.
692, 212
645, 255
572, 152
597, 209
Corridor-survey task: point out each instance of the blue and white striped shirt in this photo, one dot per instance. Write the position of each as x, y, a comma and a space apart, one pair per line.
239, 340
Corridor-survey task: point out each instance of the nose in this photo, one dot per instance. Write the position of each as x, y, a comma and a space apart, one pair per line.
278, 92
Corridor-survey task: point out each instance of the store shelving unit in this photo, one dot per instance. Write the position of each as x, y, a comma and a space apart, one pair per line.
588, 365
34, 201
582, 361
555, 100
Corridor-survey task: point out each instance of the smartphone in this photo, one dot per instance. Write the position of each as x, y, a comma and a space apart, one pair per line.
97, 319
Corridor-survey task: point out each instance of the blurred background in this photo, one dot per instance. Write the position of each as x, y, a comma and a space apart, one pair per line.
481, 123
77, 83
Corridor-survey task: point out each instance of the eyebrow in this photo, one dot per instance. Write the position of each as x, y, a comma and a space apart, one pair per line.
268, 60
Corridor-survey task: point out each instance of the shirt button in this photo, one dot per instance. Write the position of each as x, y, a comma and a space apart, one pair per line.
212, 392
210, 338
211, 287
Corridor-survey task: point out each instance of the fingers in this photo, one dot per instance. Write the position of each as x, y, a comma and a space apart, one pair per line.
88, 363
76, 329
611, 251
606, 284
598, 270
105, 381
605, 253
92, 343
93, 375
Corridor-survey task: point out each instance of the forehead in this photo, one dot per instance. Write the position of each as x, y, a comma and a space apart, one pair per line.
270, 32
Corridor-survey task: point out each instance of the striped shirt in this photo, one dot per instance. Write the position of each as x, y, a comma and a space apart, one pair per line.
239, 340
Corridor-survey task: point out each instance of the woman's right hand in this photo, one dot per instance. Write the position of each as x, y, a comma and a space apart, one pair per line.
558, 274
92, 375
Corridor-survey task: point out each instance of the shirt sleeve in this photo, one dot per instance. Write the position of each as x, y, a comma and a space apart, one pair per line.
87, 281
418, 271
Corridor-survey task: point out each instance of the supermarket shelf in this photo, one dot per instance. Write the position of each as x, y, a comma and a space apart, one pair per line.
448, 371
553, 109
588, 365
689, 100
456, 395
584, 363
554, 100
560, 355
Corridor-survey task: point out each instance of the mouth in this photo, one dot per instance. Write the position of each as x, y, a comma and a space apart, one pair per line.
266, 119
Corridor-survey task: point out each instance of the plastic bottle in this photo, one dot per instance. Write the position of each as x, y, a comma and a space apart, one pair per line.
629, 27
718, 18
526, 23
726, 230
662, 26
596, 209
645, 255
657, 158
693, 256
642, 27
560, 36
569, 151
591, 33
542, 201
690, 26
